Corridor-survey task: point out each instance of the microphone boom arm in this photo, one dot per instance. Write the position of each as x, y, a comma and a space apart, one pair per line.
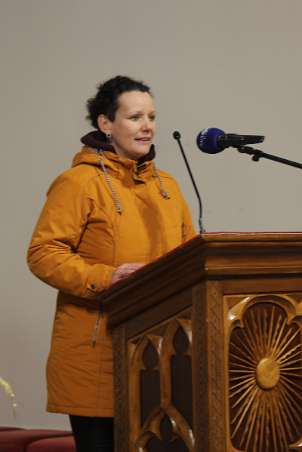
257, 155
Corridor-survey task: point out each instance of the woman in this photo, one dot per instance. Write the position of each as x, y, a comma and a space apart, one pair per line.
104, 218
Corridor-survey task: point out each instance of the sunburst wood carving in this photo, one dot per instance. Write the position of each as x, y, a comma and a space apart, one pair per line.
265, 380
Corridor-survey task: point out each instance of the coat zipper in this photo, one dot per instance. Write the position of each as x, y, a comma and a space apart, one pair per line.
96, 327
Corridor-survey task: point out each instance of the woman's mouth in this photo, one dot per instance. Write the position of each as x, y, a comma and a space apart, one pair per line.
144, 139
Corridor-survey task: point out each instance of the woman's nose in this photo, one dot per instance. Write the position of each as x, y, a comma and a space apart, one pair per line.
147, 124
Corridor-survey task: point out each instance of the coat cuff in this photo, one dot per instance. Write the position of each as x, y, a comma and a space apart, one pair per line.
99, 279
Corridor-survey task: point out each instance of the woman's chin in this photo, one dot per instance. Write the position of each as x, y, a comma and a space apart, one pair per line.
136, 153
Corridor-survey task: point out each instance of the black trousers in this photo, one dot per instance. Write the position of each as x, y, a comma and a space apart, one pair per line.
92, 434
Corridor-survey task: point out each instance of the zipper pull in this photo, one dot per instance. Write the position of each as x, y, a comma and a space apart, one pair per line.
96, 328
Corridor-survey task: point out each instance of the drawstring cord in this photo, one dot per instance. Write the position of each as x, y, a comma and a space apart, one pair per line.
162, 190
115, 197
116, 200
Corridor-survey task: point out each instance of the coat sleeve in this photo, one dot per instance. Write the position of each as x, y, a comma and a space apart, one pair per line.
188, 230
52, 255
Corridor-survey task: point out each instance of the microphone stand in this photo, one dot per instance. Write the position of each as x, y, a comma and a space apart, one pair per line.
177, 137
257, 155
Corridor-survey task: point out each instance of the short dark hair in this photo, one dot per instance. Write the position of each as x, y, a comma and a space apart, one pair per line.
106, 99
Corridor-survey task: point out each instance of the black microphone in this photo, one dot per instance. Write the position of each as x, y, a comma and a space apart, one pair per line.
177, 137
213, 140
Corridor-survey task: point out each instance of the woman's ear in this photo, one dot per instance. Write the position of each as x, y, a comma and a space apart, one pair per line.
104, 124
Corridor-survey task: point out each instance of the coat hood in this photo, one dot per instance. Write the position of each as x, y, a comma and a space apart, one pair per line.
99, 153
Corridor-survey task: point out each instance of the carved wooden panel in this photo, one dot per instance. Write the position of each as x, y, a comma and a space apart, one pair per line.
121, 433
160, 388
208, 369
264, 368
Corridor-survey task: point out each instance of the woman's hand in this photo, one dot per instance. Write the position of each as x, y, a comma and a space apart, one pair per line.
124, 270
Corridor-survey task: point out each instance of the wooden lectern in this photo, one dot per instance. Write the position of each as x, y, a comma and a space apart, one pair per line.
207, 347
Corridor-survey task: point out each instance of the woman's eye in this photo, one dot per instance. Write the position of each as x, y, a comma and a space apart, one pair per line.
138, 117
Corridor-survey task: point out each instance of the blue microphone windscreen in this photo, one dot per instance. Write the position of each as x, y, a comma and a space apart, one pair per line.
207, 140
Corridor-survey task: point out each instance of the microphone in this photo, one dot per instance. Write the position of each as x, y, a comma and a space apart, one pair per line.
213, 140
177, 137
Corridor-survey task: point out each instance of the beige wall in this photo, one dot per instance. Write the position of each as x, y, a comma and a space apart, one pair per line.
230, 64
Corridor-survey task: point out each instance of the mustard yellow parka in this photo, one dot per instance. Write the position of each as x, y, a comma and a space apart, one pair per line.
101, 213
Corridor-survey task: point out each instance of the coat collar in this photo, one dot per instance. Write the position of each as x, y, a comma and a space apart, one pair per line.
95, 140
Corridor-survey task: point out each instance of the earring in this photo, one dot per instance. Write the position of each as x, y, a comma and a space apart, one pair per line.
108, 136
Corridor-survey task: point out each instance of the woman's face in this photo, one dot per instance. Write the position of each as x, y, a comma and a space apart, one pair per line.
133, 128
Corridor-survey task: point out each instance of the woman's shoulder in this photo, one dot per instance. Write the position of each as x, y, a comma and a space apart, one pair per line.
165, 174
77, 176
170, 183
167, 177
